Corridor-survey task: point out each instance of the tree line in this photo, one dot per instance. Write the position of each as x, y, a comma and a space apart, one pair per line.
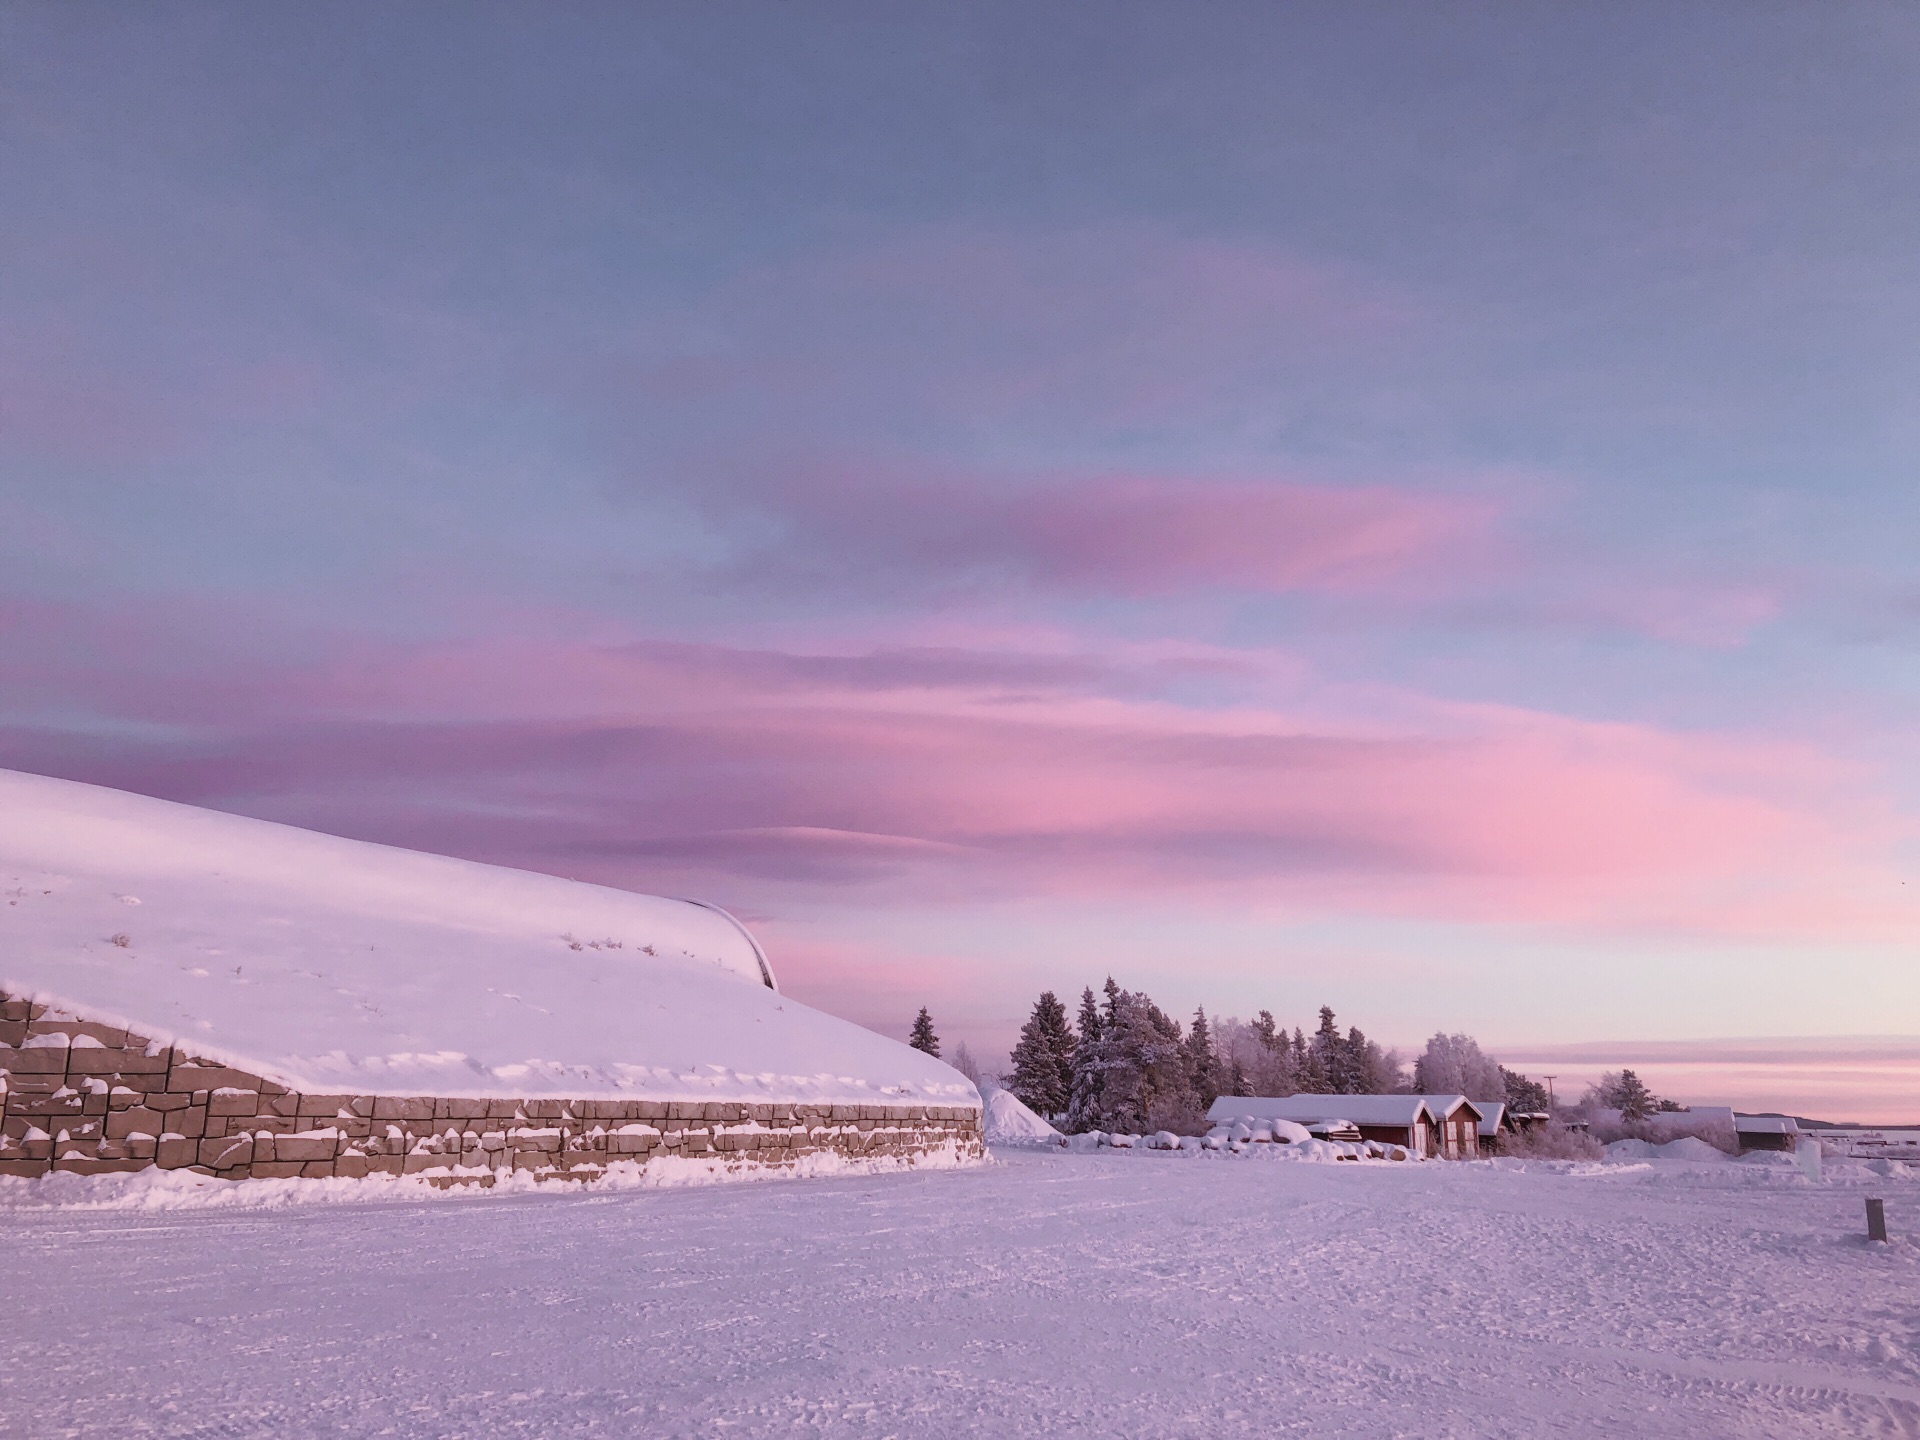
1123, 1064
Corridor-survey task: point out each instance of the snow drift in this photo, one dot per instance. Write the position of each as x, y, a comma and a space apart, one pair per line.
1008, 1121
331, 965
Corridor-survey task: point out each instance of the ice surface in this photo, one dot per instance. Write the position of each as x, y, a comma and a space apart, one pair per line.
330, 965
1111, 1293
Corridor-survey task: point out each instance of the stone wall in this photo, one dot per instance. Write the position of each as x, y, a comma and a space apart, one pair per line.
88, 1098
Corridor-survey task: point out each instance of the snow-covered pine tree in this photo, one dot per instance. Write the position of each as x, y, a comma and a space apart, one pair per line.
1265, 1033
1203, 1065
1042, 1075
923, 1037
1373, 1071
1632, 1098
1522, 1095
1083, 1091
1309, 1074
1330, 1053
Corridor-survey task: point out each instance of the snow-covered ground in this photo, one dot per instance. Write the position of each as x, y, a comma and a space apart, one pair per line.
1116, 1293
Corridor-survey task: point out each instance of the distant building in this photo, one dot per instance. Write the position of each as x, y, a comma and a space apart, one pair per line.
1457, 1123
1493, 1121
1766, 1132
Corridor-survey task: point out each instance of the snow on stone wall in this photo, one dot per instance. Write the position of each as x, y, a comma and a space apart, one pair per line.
89, 1098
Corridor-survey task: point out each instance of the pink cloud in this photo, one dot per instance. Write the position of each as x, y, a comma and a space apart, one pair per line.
909, 774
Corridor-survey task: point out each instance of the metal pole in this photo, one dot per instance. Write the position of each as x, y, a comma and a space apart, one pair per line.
1549, 1079
1877, 1220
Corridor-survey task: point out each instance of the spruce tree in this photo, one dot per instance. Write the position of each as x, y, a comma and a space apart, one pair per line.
1263, 1031
1330, 1054
1632, 1098
1308, 1072
1083, 1093
1043, 1059
1203, 1066
1523, 1096
923, 1037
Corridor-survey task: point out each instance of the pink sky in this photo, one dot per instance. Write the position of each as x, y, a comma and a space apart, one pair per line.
1290, 512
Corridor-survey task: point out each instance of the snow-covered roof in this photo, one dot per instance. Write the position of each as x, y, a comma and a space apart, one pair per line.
1492, 1112
1306, 1109
1693, 1115
1765, 1125
331, 965
1444, 1105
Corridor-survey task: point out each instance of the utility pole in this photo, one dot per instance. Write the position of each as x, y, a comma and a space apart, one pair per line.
1549, 1079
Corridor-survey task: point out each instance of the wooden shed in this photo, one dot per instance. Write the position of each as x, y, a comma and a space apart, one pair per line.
1457, 1121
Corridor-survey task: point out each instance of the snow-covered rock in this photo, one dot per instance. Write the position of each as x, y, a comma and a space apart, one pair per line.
335, 966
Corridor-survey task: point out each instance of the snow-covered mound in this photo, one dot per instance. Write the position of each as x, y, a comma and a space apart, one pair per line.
1687, 1147
332, 965
1008, 1121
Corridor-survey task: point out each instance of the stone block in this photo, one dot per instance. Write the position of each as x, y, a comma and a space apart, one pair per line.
319, 1145
121, 1123
167, 1100
108, 1035
190, 1079
389, 1107
24, 1169
352, 1167
543, 1109
233, 1102
12, 1032
141, 1147
12, 1009
54, 1106
226, 1152
502, 1109
685, 1110
318, 1170
34, 1060
651, 1109
92, 1165
84, 1060
175, 1151
274, 1170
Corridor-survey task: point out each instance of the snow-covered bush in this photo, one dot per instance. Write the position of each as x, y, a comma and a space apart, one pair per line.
1552, 1142
1609, 1125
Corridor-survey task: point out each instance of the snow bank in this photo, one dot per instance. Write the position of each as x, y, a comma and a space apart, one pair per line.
1008, 1121
154, 1189
331, 966
1687, 1147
